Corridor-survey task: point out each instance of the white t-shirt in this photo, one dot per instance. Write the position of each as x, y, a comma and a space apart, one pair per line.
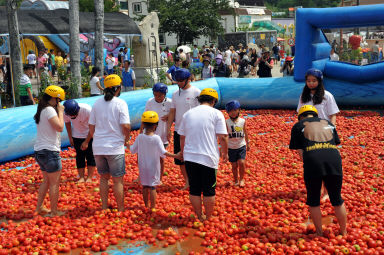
110, 62
327, 107
227, 57
207, 72
200, 126
24, 80
108, 117
47, 137
162, 109
334, 57
80, 125
92, 83
31, 59
149, 150
236, 133
184, 102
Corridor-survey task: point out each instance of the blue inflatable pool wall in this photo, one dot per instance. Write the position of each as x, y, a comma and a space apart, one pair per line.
351, 85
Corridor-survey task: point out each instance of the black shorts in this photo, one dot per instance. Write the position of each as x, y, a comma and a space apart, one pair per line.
25, 100
149, 187
333, 185
82, 155
235, 154
202, 179
176, 147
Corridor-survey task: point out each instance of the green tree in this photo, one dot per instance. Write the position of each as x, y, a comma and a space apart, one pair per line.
189, 19
89, 5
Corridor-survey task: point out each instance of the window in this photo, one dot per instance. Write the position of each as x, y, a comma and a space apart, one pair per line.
123, 5
136, 7
162, 38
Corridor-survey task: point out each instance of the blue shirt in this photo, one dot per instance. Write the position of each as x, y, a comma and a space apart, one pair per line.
172, 70
195, 52
127, 78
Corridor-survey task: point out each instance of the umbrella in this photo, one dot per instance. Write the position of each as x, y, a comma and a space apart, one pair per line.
186, 49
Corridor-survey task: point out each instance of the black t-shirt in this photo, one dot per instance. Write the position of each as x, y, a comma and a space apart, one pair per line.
318, 139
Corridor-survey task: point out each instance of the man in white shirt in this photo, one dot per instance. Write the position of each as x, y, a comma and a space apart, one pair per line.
76, 117
199, 131
183, 100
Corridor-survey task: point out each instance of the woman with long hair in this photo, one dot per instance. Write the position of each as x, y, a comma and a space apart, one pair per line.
109, 125
94, 82
50, 123
315, 94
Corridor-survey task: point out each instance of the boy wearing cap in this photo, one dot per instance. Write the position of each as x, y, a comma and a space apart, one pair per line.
183, 100
316, 140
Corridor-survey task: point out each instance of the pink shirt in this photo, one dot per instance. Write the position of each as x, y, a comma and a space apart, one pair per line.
41, 61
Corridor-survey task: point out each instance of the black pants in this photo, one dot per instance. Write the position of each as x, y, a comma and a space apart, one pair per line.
82, 155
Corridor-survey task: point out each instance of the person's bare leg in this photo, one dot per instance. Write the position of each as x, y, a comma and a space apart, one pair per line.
184, 173
341, 215
91, 171
153, 195
54, 183
43, 189
235, 173
317, 219
241, 163
196, 204
209, 204
145, 196
81, 171
118, 191
162, 169
104, 189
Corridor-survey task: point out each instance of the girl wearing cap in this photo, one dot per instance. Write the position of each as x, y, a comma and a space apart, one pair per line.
238, 142
50, 123
76, 117
315, 94
109, 125
183, 100
199, 131
149, 148
207, 71
316, 140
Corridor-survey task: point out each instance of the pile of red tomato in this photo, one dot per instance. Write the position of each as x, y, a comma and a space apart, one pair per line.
267, 216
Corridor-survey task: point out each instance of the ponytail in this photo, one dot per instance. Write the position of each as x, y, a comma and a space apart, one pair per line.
109, 93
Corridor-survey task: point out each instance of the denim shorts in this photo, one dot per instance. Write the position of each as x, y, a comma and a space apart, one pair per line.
111, 164
49, 161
